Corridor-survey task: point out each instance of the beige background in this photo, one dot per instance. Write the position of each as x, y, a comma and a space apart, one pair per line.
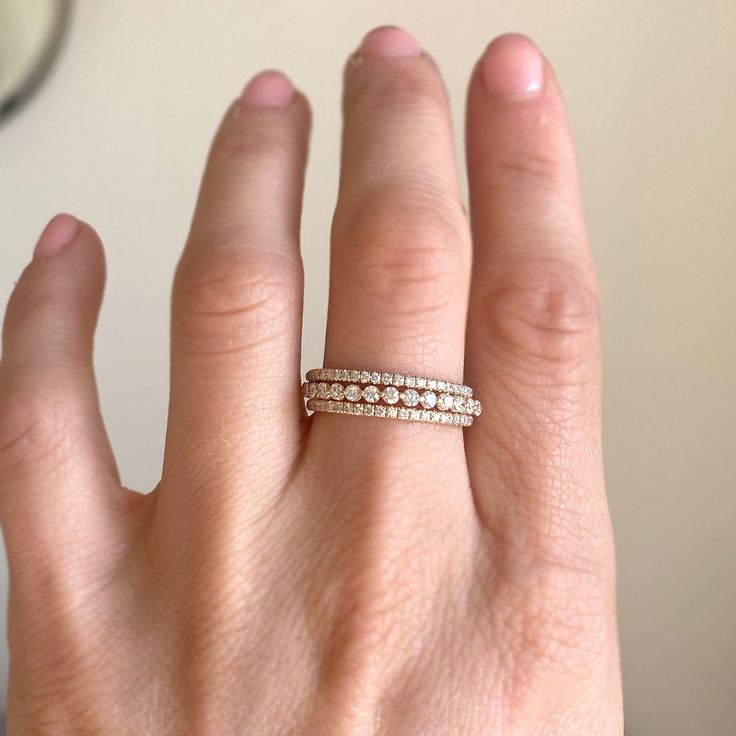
119, 134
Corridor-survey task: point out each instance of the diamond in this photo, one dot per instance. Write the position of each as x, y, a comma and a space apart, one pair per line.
353, 392
337, 391
359, 408
392, 411
386, 378
390, 395
379, 411
368, 411
441, 386
445, 402
403, 413
323, 390
312, 390
429, 399
410, 397
371, 394
459, 404
365, 377
353, 376
410, 381
375, 377
398, 379
477, 408
421, 383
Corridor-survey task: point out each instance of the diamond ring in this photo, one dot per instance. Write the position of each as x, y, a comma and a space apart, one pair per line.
390, 395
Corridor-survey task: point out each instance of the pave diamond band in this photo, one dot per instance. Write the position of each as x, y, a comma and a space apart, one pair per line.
390, 412
380, 378
390, 395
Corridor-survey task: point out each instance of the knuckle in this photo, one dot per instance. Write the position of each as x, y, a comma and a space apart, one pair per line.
551, 314
34, 429
405, 261
27, 305
225, 304
415, 89
524, 165
252, 142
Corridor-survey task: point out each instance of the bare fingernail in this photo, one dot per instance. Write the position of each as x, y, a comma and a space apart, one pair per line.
61, 230
512, 67
389, 41
269, 88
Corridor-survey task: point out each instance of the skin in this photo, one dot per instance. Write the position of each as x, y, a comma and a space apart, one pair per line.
330, 574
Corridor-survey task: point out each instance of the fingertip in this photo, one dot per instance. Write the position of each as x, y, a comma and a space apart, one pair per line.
512, 66
270, 88
60, 231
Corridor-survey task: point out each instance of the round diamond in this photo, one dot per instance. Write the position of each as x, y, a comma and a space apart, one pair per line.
390, 395
445, 402
386, 378
337, 391
375, 377
459, 403
353, 392
410, 397
477, 408
323, 390
428, 399
371, 394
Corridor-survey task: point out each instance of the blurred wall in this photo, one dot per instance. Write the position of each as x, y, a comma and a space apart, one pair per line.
119, 135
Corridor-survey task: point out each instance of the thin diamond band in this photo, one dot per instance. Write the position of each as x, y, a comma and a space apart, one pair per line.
381, 378
390, 395
390, 412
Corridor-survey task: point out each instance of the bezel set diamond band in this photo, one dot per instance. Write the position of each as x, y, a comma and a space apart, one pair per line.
390, 395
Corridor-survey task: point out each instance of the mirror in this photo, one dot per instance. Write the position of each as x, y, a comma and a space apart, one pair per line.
31, 33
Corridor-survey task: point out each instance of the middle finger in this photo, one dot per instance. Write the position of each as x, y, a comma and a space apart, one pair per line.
401, 251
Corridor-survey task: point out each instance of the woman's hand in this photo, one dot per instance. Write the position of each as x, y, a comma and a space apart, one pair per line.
332, 574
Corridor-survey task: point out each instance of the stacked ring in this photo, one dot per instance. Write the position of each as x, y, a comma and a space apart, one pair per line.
390, 395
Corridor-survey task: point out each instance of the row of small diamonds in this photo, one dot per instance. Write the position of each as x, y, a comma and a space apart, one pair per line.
388, 379
391, 395
390, 412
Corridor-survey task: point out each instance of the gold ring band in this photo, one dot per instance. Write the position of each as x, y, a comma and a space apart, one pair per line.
390, 395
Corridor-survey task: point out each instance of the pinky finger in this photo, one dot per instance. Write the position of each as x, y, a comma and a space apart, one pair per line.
55, 457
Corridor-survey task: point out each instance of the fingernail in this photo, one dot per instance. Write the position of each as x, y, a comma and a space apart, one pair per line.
513, 66
389, 41
269, 88
60, 231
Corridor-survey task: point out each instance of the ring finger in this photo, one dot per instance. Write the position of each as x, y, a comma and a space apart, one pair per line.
400, 241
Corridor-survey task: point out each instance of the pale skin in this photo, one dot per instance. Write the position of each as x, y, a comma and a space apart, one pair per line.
330, 574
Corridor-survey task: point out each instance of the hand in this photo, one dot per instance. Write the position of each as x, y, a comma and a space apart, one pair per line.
331, 574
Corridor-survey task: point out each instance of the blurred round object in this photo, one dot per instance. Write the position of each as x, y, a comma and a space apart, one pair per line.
31, 32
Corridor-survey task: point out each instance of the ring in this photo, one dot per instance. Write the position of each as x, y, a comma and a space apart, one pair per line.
390, 395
